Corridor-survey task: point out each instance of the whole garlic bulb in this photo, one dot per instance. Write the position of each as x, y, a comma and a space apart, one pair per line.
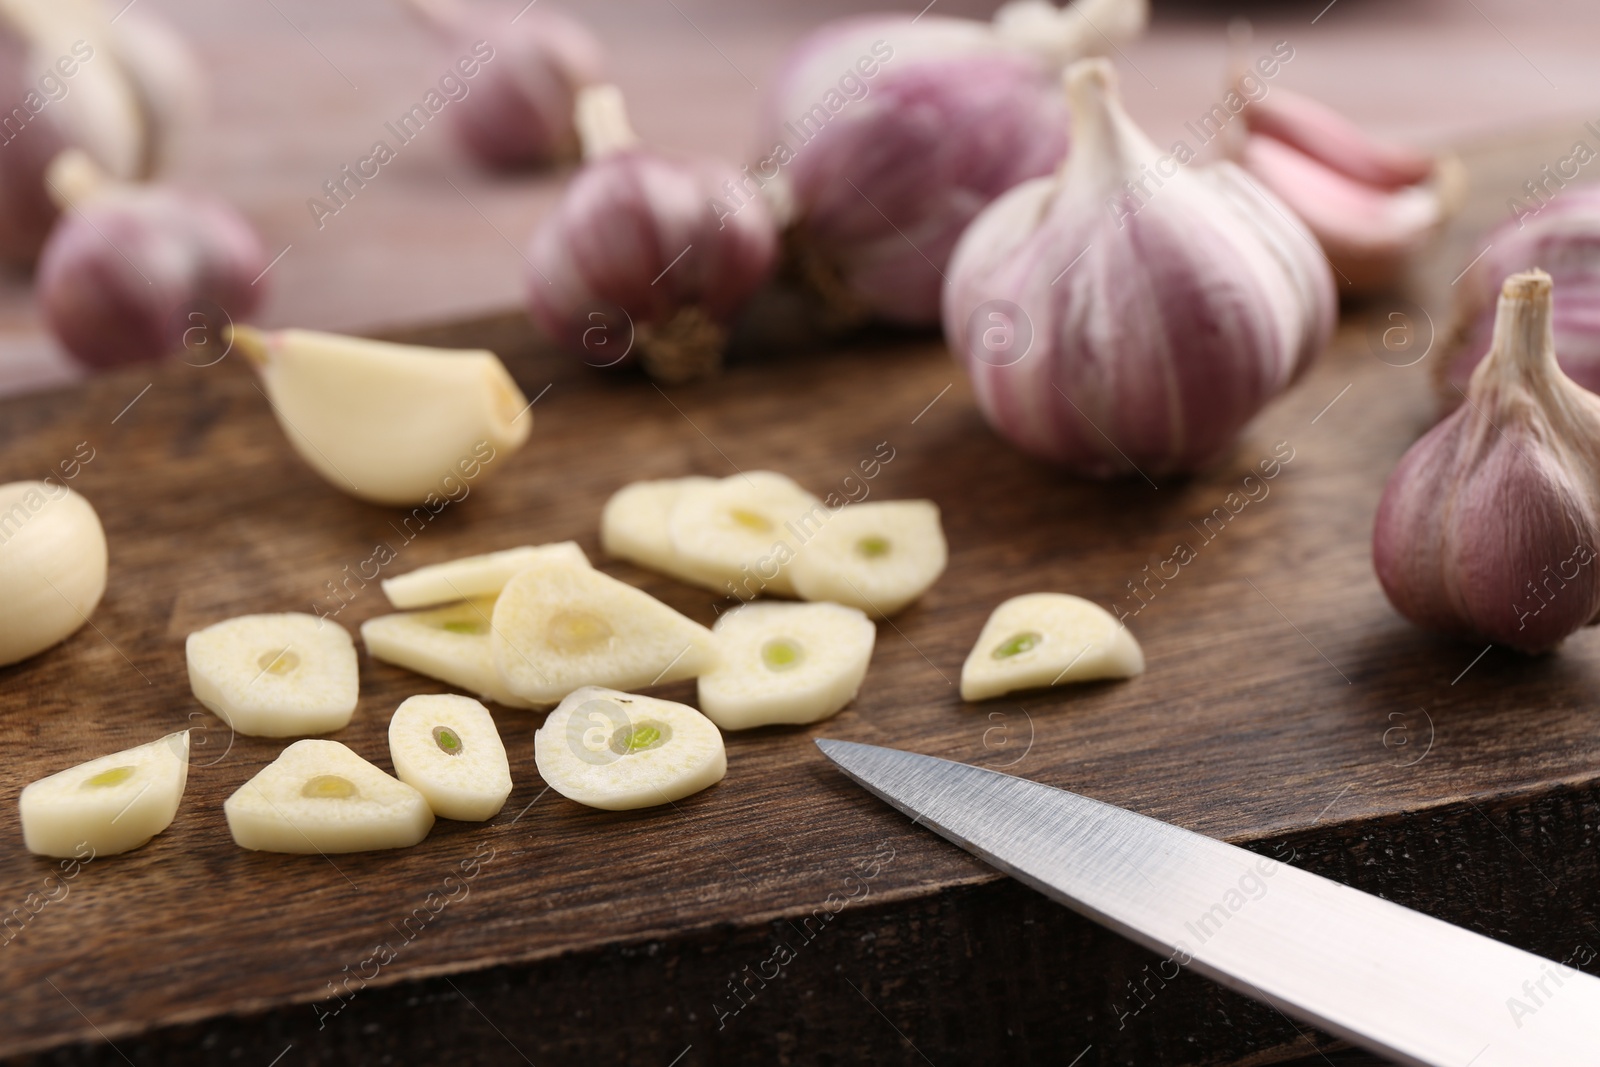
131, 268
1132, 313
52, 566
887, 134
1488, 527
1562, 238
518, 107
636, 231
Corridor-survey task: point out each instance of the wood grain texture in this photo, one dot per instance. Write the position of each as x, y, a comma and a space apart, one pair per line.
1280, 687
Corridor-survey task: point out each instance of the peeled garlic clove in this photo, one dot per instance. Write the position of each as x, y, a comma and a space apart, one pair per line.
876, 556
275, 675
1045, 639
1560, 235
446, 748
786, 663
52, 566
451, 643
131, 270
889, 133
472, 577
617, 751
111, 804
638, 231
745, 529
1487, 528
635, 526
318, 796
389, 423
558, 627
1116, 331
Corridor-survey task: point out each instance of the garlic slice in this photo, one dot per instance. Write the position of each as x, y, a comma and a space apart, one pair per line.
447, 748
1045, 639
275, 675
557, 627
389, 423
471, 576
786, 663
450, 643
52, 566
878, 557
634, 527
112, 804
614, 750
745, 529
318, 796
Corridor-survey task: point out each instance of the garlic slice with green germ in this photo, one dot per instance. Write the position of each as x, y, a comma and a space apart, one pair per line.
786, 663
877, 556
318, 796
745, 529
389, 423
450, 643
635, 526
112, 804
558, 626
447, 748
1045, 639
471, 576
614, 750
275, 675
52, 566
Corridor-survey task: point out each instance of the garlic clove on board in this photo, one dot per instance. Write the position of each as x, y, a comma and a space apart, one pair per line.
1146, 309
878, 556
1321, 133
52, 566
471, 577
111, 804
635, 526
450, 643
786, 663
447, 748
745, 529
1488, 527
388, 423
1046, 639
275, 675
319, 796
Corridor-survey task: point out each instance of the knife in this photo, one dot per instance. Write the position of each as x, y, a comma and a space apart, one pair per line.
1407, 986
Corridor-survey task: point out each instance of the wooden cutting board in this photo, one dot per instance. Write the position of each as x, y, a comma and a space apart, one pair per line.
784, 915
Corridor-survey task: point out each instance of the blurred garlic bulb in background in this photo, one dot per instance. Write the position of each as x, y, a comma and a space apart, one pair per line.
1561, 238
529, 64
636, 232
1131, 313
130, 269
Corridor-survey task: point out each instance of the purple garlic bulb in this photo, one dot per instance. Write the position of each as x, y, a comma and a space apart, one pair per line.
516, 71
1132, 312
1489, 526
131, 270
636, 261
887, 134
1562, 238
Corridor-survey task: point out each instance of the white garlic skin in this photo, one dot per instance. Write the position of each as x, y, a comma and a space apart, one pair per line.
123, 274
1161, 322
52, 566
1489, 526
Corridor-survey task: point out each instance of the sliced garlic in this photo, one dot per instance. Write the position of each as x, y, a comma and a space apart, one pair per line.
745, 529
878, 557
450, 643
1044, 639
634, 526
614, 750
558, 626
318, 796
275, 675
112, 804
786, 663
446, 747
389, 423
471, 576
52, 566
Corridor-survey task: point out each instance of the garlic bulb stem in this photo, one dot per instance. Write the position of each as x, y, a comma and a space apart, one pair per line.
1060, 35
74, 178
602, 118
1524, 343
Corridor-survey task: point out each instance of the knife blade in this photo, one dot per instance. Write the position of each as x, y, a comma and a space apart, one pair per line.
1405, 985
